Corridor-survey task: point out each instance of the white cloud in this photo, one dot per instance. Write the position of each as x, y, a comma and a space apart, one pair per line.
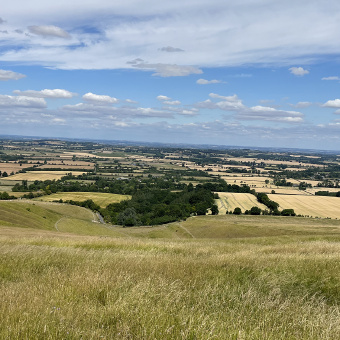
1, 21
332, 103
171, 49
172, 102
21, 102
242, 112
192, 112
206, 82
331, 78
49, 31
102, 112
99, 99
232, 98
10, 75
162, 98
298, 71
169, 70
270, 114
248, 36
56, 93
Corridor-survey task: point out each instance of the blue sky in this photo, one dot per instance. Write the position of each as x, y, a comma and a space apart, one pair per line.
248, 73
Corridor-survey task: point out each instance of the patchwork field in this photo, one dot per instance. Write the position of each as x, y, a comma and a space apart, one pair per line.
228, 201
315, 206
42, 175
102, 199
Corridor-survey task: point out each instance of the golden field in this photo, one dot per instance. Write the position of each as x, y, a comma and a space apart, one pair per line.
42, 175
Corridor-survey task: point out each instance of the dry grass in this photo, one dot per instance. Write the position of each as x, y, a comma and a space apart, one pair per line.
59, 286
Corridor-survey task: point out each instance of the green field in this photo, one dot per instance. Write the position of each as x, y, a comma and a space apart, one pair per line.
63, 276
100, 198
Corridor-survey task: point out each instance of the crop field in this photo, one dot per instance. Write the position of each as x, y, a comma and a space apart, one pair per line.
42, 175
258, 181
15, 167
102, 199
315, 206
228, 201
221, 277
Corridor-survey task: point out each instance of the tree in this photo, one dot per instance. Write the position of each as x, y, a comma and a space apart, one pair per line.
214, 209
201, 208
128, 218
288, 212
237, 211
255, 211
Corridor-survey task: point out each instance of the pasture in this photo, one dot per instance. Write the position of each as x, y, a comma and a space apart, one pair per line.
315, 206
100, 198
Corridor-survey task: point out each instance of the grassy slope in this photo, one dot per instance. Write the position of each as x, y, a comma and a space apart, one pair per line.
212, 277
91, 287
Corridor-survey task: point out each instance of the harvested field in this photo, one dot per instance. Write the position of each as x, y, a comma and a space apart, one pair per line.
42, 175
15, 167
284, 191
315, 206
228, 201
63, 166
100, 198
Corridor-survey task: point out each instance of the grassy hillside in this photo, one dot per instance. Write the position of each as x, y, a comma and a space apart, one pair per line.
110, 288
210, 277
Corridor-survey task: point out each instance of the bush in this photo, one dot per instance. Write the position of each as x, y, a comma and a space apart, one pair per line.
237, 211
255, 211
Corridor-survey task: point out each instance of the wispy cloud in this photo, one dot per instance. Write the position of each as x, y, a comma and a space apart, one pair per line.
206, 82
169, 70
171, 49
331, 78
49, 31
56, 93
10, 75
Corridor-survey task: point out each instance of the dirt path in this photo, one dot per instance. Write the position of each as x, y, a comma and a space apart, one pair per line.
186, 230
56, 224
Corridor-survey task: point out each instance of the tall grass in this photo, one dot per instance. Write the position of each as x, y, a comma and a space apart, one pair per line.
59, 286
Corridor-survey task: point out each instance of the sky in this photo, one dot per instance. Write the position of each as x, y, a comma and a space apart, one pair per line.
258, 73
